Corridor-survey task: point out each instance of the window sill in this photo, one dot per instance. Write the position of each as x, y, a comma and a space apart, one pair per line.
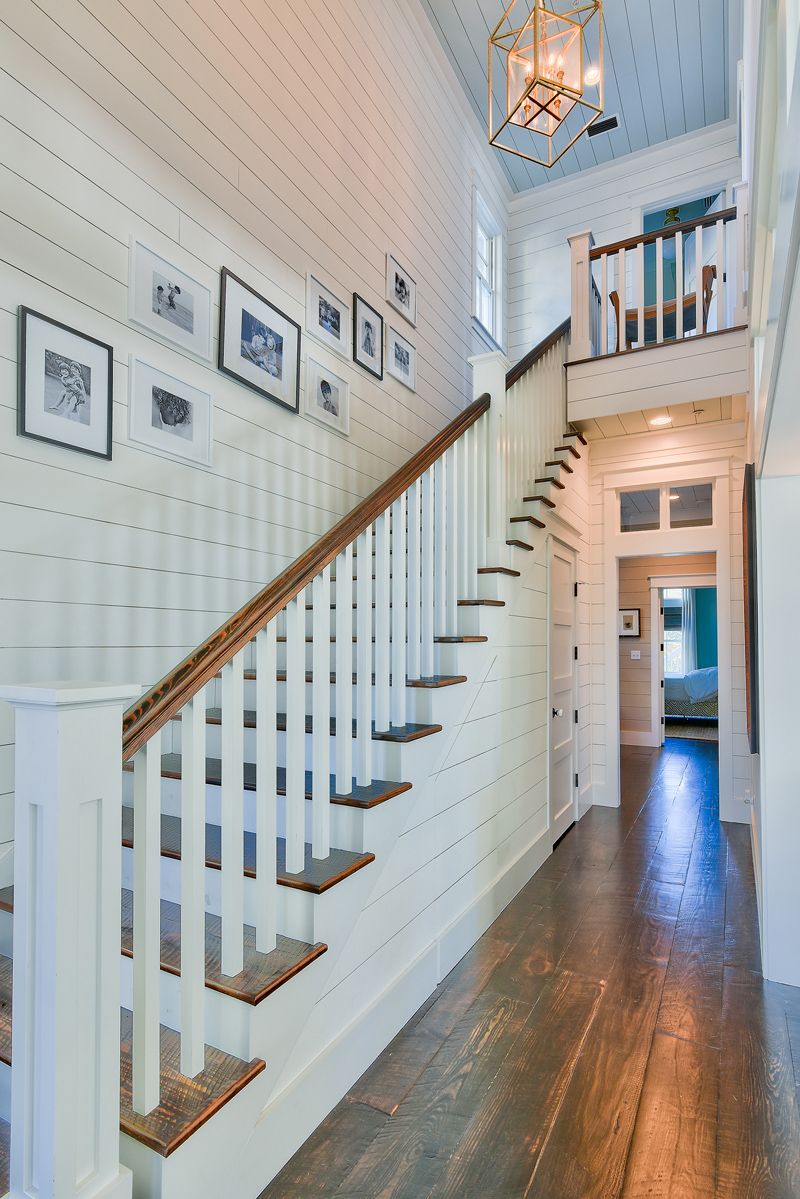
486, 337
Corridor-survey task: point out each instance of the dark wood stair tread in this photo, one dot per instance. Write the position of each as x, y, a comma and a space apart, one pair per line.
528, 520
567, 449
482, 603
538, 499
520, 545
499, 570
262, 974
564, 465
186, 1104
549, 479
318, 874
401, 734
377, 792
573, 433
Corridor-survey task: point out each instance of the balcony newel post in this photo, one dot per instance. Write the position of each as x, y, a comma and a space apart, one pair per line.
65, 1078
741, 194
489, 377
580, 341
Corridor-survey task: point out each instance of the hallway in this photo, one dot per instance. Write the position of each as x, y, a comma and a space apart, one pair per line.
609, 1036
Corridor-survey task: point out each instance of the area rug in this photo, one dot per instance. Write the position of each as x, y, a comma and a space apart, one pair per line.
691, 732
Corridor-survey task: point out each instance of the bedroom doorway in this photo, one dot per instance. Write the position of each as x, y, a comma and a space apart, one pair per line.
688, 687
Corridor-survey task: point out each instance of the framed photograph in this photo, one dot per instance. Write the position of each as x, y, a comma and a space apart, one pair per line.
327, 317
367, 336
401, 290
65, 385
258, 344
166, 301
327, 397
401, 359
169, 416
628, 622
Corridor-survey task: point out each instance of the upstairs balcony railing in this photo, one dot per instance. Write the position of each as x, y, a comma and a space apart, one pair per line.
657, 288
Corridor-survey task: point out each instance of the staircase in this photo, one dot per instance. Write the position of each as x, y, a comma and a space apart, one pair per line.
265, 784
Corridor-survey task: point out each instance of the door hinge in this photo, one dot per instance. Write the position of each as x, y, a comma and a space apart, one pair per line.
576, 780
663, 721
576, 653
576, 715
662, 611
662, 683
662, 647
575, 590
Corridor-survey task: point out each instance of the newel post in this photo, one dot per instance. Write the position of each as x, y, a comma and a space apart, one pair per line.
489, 376
66, 996
741, 199
580, 341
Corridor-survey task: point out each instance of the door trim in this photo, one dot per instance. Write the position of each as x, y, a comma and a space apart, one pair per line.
553, 544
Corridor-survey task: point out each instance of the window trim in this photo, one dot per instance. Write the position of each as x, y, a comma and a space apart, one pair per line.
483, 215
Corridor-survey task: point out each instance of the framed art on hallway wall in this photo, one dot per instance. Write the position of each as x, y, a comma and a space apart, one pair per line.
401, 289
401, 359
259, 345
168, 302
327, 397
167, 415
65, 385
327, 317
367, 336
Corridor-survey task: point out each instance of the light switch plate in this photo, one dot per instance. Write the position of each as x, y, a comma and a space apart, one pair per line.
636, 655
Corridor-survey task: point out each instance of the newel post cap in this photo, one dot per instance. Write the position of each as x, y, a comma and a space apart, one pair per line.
68, 694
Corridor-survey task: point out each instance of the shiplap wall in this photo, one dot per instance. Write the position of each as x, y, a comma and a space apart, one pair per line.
204, 129
635, 684
609, 200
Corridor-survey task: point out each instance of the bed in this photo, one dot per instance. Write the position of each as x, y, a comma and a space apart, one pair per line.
693, 694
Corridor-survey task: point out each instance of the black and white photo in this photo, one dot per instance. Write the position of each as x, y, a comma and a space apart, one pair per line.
169, 416
327, 317
168, 302
401, 359
65, 385
327, 397
367, 336
401, 289
259, 345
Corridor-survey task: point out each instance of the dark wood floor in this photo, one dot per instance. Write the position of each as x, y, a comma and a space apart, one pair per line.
610, 1036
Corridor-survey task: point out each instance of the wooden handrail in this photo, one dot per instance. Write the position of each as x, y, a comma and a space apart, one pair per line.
165, 700
646, 239
533, 356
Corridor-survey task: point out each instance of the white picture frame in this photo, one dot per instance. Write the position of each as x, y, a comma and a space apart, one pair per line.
327, 316
401, 359
169, 302
170, 417
326, 399
401, 289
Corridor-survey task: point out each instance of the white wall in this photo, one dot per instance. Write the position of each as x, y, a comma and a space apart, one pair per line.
206, 131
609, 200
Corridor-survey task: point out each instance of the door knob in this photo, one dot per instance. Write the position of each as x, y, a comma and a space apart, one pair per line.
558, 711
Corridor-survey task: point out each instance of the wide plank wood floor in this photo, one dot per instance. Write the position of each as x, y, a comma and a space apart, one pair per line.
609, 1037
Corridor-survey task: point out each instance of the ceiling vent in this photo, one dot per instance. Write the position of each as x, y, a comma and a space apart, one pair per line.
604, 126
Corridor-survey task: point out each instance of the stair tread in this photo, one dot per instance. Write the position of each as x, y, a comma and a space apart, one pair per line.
437, 640
499, 570
434, 680
482, 603
318, 874
564, 465
520, 545
567, 449
262, 974
528, 520
186, 1104
538, 499
573, 433
377, 792
549, 479
398, 733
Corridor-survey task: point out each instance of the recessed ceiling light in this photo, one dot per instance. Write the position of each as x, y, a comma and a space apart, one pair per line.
658, 421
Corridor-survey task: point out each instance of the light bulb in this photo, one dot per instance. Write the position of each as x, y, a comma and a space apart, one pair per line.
592, 76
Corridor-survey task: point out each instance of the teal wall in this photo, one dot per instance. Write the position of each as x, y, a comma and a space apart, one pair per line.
706, 626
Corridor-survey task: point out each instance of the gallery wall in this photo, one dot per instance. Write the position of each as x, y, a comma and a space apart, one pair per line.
202, 130
609, 200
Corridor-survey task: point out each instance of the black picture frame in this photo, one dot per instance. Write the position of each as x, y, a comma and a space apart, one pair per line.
637, 630
359, 301
750, 563
227, 277
25, 317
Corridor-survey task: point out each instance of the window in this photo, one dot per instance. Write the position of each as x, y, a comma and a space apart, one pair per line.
690, 507
674, 648
640, 511
488, 270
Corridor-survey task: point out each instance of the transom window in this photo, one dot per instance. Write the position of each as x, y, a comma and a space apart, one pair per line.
679, 506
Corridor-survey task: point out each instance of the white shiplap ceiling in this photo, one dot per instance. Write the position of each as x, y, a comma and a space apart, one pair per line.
669, 66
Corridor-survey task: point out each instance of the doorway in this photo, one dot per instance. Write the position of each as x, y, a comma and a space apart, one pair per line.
562, 690
688, 660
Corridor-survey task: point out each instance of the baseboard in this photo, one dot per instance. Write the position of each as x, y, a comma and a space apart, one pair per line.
647, 740
290, 1118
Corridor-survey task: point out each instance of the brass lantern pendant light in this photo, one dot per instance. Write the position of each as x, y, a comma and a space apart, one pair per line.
545, 77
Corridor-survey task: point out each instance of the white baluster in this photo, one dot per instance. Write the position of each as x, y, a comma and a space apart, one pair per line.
344, 670
659, 290
364, 657
700, 324
452, 518
473, 506
483, 489
640, 293
679, 286
193, 866
398, 653
440, 545
720, 265
382, 621
622, 292
232, 799
321, 723
147, 926
414, 652
427, 655
266, 789
603, 304
465, 589
296, 734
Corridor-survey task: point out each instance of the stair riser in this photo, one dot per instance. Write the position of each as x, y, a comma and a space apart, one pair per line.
387, 757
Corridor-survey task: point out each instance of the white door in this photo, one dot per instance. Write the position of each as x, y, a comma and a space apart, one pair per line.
561, 709
661, 673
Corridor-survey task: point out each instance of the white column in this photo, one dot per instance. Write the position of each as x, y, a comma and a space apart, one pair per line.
66, 1033
741, 262
489, 377
580, 340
